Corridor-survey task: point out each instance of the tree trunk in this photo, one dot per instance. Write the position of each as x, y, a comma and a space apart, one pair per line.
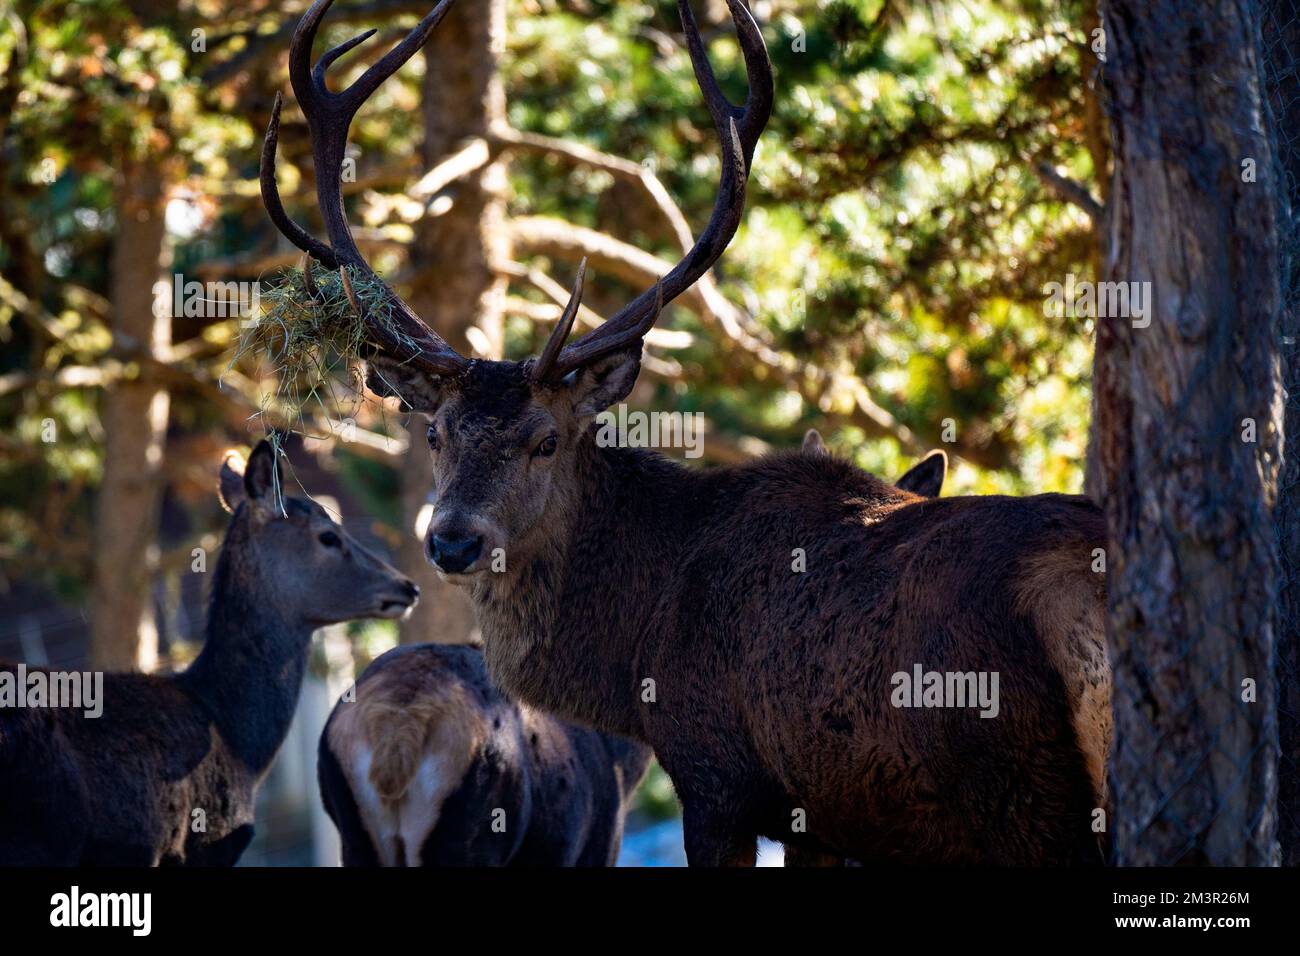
1188, 488
456, 286
134, 415
1281, 35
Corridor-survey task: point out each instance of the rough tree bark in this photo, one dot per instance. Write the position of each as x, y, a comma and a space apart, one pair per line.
134, 416
1281, 41
456, 286
1188, 496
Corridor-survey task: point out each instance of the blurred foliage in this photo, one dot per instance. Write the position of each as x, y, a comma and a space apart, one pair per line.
656, 799
895, 221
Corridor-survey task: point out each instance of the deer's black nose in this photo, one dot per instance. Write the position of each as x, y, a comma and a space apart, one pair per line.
454, 553
412, 590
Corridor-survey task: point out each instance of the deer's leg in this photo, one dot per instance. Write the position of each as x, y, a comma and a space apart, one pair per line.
715, 834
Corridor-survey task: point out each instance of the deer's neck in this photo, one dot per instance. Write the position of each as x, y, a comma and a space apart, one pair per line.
250, 671
568, 629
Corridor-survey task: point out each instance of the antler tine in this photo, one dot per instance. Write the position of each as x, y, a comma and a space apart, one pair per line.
753, 115
400, 332
588, 349
739, 129
309, 83
562, 328
295, 233
300, 44
391, 61
329, 56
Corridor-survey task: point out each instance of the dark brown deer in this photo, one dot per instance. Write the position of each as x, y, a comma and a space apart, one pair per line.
749, 623
430, 765
168, 773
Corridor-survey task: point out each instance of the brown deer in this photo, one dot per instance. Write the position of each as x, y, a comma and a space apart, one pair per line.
430, 765
168, 772
751, 623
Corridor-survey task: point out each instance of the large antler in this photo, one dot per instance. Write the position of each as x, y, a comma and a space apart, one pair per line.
401, 333
739, 129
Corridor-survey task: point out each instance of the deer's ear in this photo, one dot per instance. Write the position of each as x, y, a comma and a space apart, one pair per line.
262, 475
926, 477
230, 490
605, 381
419, 391
813, 444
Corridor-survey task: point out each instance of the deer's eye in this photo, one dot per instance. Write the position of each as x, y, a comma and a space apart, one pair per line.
433, 438
547, 447
330, 539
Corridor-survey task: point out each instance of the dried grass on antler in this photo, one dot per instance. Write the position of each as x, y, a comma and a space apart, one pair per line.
309, 336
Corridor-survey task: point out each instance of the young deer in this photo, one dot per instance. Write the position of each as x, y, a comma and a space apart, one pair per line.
749, 623
431, 766
168, 773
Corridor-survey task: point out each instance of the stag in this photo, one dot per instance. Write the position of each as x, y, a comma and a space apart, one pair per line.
168, 773
746, 622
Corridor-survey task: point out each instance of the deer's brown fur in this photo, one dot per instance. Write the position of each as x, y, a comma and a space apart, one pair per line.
1066, 600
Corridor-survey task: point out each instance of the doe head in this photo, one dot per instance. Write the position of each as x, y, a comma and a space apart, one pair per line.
311, 568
